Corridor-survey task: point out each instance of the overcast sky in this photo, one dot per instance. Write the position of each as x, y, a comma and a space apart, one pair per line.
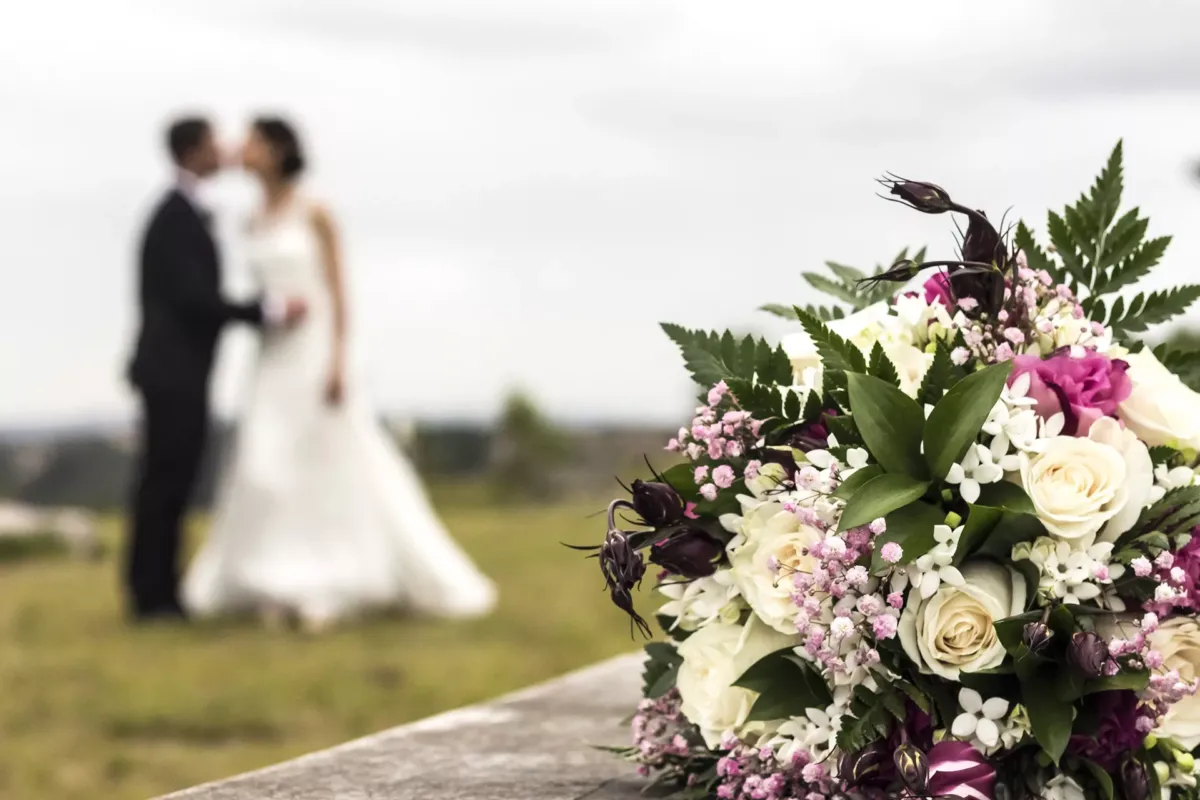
526, 188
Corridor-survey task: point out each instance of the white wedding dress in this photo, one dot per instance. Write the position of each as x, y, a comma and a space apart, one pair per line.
319, 514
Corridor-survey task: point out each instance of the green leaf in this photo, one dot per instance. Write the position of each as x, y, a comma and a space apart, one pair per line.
1135, 680
1145, 310
792, 406
954, 424
911, 527
1066, 248
1102, 778
831, 288
844, 428
660, 668
1050, 716
1183, 363
853, 484
937, 377
880, 366
1010, 530
786, 685
879, 497
1006, 496
980, 522
836, 353
890, 423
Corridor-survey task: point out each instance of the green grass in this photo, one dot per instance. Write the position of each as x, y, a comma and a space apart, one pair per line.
92, 708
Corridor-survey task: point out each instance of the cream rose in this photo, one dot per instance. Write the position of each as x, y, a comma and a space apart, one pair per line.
771, 535
1161, 410
1076, 485
911, 364
952, 631
1178, 639
1139, 474
713, 658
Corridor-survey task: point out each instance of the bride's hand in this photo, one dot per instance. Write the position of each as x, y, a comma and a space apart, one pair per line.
335, 387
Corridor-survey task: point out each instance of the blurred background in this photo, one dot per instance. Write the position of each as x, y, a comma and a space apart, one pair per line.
525, 188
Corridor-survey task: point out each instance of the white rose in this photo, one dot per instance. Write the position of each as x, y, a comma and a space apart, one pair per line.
1061, 787
1139, 474
1160, 409
771, 534
952, 631
713, 658
802, 351
1076, 485
1178, 639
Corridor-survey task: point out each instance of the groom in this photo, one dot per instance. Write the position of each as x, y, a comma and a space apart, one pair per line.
182, 313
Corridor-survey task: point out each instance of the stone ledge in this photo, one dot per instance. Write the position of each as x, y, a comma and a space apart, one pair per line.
531, 745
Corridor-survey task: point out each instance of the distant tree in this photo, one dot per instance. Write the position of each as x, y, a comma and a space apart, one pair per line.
528, 453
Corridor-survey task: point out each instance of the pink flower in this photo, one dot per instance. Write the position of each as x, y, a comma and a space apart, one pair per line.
716, 393
956, 769
938, 288
723, 476
752, 469
701, 475
1083, 389
891, 552
883, 626
709, 492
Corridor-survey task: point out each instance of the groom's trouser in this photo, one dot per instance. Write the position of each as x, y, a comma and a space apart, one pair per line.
174, 428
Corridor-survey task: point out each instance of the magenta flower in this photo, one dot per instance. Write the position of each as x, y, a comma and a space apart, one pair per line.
1116, 732
938, 288
956, 769
1083, 389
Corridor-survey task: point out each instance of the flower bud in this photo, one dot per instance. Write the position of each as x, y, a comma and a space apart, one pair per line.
1087, 654
1135, 781
657, 503
689, 553
864, 768
1185, 760
927, 198
913, 768
1036, 636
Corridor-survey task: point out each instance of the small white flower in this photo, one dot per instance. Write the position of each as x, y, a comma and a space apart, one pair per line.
815, 732
1061, 787
979, 719
976, 468
936, 567
856, 457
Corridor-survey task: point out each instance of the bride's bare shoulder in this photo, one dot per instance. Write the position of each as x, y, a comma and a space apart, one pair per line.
321, 217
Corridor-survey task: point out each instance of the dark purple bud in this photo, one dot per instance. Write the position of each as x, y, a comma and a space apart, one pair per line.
1037, 636
865, 768
623, 569
689, 553
900, 272
1088, 654
982, 243
913, 768
1135, 781
928, 198
657, 503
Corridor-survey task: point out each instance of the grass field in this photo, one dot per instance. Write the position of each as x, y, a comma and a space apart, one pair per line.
92, 708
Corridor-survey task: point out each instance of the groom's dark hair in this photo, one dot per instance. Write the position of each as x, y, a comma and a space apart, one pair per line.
185, 135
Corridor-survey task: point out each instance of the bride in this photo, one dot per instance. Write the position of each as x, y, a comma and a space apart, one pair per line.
320, 517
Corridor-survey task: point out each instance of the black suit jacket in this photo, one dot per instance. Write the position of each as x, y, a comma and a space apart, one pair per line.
182, 308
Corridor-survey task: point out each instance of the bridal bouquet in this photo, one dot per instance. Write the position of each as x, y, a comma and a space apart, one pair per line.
938, 546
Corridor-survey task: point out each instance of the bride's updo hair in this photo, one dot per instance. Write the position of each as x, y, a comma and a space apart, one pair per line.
282, 138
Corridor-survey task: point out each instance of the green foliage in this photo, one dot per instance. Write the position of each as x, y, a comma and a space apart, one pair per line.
890, 423
711, 357
1184, 363
911, 527
872, 715
845, 286
879, 497
1099, 255
786, 686
661, 667
940, 377
956, 419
